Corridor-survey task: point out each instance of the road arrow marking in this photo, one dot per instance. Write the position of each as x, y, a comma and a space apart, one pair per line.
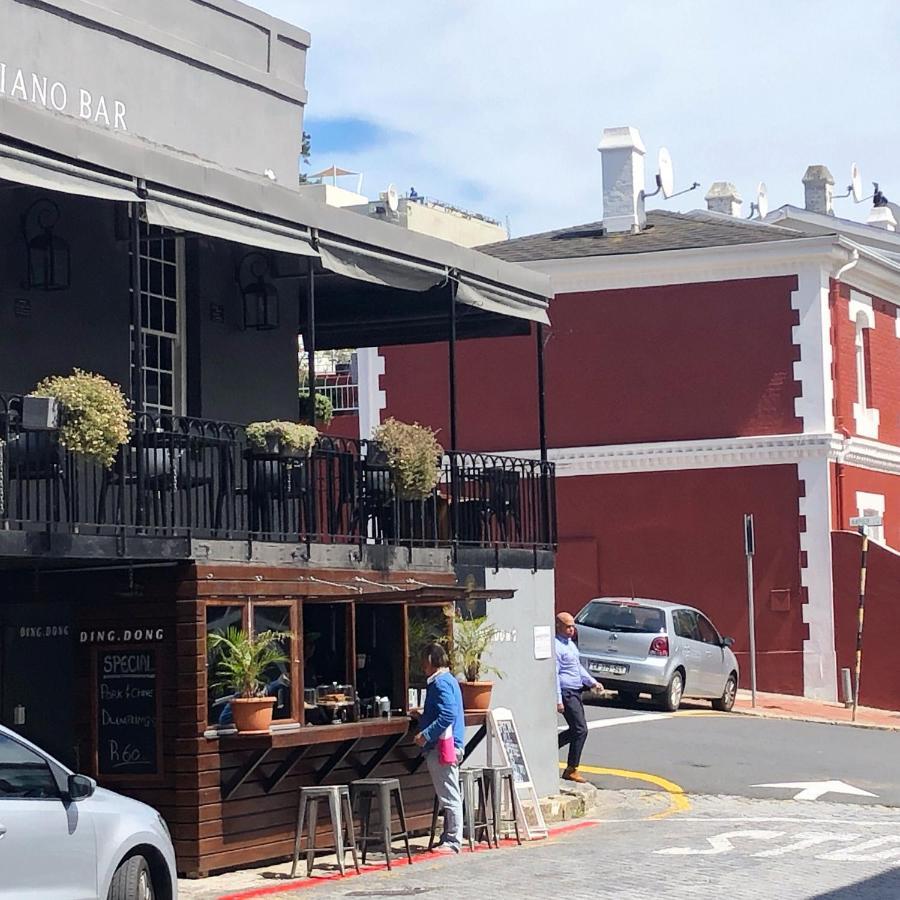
812, 790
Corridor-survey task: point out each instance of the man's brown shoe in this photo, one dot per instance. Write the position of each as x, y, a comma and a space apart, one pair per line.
571, 774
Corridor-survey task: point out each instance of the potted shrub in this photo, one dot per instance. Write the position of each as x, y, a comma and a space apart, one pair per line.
241, 663
324, 408
95, 417
472, 635
284, 438
413, 455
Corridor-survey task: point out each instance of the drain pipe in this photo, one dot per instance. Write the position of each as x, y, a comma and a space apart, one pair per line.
833, 297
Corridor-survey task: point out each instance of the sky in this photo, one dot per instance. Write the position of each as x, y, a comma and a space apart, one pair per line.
498, 105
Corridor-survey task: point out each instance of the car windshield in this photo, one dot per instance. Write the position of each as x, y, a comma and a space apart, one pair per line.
623, 617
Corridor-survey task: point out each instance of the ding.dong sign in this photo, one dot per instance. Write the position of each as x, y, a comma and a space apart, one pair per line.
73, 100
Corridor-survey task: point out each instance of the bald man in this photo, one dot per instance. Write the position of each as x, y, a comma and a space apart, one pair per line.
571, 680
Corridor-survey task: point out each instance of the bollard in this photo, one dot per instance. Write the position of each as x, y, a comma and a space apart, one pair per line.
847, 687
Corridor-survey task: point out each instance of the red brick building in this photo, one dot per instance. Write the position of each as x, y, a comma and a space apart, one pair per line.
701, 367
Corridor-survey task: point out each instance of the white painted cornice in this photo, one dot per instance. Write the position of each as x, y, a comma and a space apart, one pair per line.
721, 453
693, 265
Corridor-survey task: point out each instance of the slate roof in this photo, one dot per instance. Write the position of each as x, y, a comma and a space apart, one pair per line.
664, 231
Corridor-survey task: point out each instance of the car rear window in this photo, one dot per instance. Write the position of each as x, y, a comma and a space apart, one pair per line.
622, 617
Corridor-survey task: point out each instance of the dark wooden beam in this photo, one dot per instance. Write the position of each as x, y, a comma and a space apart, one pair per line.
340, 754
284, 769
378, 757
242, 774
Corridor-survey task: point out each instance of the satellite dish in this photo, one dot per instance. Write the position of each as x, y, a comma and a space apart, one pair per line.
855, 183
666, 176
391, 198
762, 200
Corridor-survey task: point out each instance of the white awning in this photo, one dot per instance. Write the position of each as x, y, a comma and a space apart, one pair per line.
492, 298
180, 214
378, 268
49, 175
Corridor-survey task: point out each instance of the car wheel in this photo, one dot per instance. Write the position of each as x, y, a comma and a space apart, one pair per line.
670, 699
629, 697
725, 703
132, 881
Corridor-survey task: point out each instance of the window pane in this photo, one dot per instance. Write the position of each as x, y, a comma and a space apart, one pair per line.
165, 391
156, 317
165, 354
277, 675
219, 619
708, 634
169, 280
617, 617
686, 624
170, 324
151, 351
24, 773
155, 284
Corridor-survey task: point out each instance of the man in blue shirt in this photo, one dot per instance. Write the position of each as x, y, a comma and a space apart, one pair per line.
443, 709
571, 680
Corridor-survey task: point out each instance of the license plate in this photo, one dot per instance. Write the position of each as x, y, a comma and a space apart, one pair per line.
608, 668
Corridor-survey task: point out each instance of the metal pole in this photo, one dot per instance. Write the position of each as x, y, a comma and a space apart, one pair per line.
137, 338
542, 425
452, 362
861, 616
311, 336
542, 411
749, 550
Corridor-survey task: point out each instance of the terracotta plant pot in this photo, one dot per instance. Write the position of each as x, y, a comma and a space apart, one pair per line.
476, 694
252, 715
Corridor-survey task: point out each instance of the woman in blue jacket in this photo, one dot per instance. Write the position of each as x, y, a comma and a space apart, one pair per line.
443, 709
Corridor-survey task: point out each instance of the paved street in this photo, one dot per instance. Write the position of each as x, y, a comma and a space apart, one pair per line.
722, 838
707, 753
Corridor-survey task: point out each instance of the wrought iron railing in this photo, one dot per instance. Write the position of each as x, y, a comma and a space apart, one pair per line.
184, 477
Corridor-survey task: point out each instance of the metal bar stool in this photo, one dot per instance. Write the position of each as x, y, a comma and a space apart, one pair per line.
338, 798
362, 792
496, 778
475, 815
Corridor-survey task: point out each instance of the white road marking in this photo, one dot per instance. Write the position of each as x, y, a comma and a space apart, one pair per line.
623, 720
812, 790
720, 843
854, 854
803, 840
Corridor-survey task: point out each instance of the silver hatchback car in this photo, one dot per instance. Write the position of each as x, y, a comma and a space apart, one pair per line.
636, 646
64, 838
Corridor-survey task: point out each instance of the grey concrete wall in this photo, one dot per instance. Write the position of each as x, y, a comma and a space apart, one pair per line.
528, 687
217, 81
86, 326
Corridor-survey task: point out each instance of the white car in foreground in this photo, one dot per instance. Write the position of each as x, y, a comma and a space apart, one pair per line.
63, 838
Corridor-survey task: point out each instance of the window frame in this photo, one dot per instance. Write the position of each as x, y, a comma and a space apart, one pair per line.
48, 764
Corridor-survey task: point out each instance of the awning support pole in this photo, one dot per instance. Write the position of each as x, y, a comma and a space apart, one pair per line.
542, 424
454, 473
137, 342
451, 290
311, 335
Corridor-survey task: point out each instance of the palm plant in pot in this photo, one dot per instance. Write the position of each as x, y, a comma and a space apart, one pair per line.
472, 635
241, 663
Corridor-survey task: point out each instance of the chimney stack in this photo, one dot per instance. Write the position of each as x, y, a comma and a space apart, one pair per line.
622, 152
818, 185
723, 197
882, 217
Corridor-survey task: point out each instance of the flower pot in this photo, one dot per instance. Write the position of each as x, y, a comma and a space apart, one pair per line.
39, 413
476, 695
252, 715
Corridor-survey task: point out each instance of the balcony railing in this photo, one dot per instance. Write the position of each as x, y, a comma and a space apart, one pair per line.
182, 477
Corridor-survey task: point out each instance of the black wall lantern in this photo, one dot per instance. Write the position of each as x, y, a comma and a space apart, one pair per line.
259, 294
49, 261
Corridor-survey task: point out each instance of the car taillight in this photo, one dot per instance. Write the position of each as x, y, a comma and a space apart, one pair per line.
659, 647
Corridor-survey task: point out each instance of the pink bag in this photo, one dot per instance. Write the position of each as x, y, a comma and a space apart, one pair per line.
447, 748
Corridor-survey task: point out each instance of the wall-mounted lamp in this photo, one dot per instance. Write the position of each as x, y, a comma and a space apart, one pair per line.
49, 267
259, 294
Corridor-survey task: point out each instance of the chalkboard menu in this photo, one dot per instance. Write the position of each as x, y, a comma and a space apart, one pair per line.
127, 704
509, 737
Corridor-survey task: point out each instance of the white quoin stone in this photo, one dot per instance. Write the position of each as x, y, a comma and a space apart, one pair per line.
723, 197
622, 152
882, 217
818, 188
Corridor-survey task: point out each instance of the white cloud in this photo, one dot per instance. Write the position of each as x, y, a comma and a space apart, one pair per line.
513, 96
